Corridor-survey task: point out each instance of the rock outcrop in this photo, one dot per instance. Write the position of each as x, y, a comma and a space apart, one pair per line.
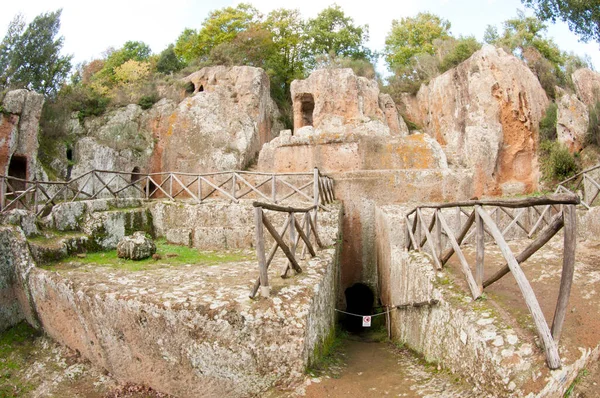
587, 85
224, 118
338, 101
136, 247
19, 124
572, 121
485, 113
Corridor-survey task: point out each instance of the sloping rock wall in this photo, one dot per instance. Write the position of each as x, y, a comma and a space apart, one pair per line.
221, 124
485, 113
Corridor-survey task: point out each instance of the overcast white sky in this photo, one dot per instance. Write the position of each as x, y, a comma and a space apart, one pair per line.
91, 27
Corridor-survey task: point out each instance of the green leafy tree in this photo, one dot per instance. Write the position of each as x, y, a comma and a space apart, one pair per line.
525, 38
412, 36
31, 58
7, 48
582, 16
168, 61
131, 51
252, 47
334, 34
288, 60
221, 26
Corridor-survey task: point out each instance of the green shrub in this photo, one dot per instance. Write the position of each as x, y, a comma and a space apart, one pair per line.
548, 123
147, 101
557, 162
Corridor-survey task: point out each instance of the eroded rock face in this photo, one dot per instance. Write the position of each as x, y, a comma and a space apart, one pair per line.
485, 113
19, 124
587, 85
338, 101
136, 247
350, 152
572, 121
221, 124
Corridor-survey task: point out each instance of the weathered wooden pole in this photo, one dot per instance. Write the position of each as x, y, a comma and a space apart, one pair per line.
552, 357
480, 249
260, 252
566, 278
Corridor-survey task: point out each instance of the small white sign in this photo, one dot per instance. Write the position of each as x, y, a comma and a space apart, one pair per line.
366, 321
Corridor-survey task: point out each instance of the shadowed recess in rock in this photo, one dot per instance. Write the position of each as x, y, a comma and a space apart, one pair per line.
359, 301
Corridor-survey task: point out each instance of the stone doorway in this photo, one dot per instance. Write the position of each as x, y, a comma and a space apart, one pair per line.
307, 107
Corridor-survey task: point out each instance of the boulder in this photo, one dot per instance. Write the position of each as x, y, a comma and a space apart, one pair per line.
338, 101
485, 113
587, 85
572, 121
136, 247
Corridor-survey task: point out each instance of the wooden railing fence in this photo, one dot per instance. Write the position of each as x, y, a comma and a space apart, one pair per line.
582, 184
230, 185
299, 232
442, 242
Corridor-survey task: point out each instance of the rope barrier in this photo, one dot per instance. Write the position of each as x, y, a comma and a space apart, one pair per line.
420, 304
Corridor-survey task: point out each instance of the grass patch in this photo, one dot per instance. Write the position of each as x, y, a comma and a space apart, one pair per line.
16, 345
582, 373
172, 255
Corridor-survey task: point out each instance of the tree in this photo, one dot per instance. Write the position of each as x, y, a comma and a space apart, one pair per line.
131, 51
221, 26
287, 62
31, 58
334, 34
582, 16
168, 62
411, 36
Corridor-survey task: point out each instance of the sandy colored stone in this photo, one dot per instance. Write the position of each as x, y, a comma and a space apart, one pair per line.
136, 247
587, 85
485, 113
572, 121
338, 101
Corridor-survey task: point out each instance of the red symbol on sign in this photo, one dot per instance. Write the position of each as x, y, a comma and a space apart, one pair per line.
366, 321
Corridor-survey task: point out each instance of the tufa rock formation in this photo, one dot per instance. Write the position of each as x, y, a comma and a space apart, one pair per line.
19, 123
587, 85
338, 101
572, 121
224, 118
485, 113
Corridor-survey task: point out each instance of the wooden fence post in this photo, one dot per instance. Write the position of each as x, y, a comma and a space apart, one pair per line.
566, 278
2, 192
480, 234
274, 188
316, 197
260, 252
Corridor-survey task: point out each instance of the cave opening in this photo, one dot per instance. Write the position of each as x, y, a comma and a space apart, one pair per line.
359, 301
201, 89
307, 106
190, 88
69, 163
17, 168
135, 174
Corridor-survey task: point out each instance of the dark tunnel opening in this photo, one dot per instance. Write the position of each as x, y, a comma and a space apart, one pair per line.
359, 301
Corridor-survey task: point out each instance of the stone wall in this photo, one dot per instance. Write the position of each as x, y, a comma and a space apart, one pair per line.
454, 333
215, 225
15, 266
362, 191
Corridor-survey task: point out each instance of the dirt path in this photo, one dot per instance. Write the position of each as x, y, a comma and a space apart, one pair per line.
379, 369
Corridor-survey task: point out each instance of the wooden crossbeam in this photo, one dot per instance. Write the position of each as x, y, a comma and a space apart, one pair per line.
475, 291
550, 347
